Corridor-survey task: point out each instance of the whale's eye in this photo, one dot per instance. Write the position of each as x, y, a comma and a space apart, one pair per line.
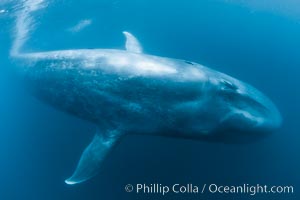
228, 85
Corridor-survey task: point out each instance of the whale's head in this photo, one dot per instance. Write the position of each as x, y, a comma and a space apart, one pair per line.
246, 109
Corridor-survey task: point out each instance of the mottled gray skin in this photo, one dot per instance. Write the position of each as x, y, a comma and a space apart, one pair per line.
186, 99
124, 92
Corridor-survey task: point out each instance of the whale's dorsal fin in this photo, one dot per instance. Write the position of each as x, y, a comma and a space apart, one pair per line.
132, 44
92, 157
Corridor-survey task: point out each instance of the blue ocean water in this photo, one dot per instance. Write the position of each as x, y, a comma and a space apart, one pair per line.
40, 146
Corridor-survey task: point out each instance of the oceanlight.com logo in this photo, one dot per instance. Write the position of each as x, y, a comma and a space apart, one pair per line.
162, 189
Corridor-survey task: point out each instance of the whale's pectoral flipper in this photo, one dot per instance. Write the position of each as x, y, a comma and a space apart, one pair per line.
132, 44
92, 157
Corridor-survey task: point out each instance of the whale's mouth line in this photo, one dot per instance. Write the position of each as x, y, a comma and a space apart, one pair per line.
253, 113
244, 116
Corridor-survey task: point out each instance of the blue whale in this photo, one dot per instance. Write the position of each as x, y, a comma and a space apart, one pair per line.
129, 92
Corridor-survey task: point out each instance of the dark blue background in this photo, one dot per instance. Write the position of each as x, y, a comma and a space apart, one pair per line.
40, 146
